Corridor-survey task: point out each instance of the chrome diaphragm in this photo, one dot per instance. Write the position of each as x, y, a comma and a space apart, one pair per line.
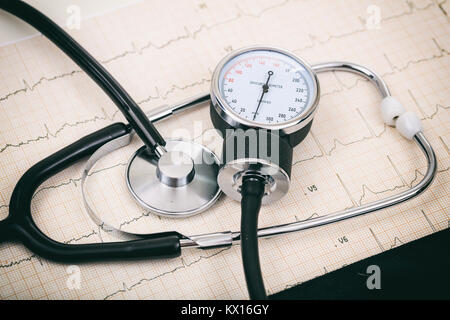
181, 182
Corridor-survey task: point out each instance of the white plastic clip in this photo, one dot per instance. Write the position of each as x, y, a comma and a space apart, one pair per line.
391, 109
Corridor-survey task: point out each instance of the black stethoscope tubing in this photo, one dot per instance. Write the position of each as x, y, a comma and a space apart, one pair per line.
19, 225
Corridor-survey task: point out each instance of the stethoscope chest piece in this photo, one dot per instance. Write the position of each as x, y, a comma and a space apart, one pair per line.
181, 182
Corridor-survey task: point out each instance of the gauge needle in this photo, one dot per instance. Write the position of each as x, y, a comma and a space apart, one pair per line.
265, 88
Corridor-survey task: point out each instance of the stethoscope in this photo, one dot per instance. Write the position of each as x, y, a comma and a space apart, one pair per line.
262, 102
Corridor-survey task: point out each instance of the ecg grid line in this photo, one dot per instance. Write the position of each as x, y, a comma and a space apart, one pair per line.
350, 157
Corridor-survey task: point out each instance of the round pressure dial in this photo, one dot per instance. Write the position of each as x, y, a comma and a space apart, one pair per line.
264, 87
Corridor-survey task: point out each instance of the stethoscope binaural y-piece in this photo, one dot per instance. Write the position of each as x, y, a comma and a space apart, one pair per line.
262, 101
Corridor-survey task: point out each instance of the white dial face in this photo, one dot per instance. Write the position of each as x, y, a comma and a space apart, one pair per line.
266, 87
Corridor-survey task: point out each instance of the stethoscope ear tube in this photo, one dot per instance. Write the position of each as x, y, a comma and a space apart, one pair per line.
19, 225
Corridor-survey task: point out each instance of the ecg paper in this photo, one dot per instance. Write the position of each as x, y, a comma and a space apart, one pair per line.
165, 51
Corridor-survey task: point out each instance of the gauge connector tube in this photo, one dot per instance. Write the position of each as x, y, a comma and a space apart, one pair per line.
252, 194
